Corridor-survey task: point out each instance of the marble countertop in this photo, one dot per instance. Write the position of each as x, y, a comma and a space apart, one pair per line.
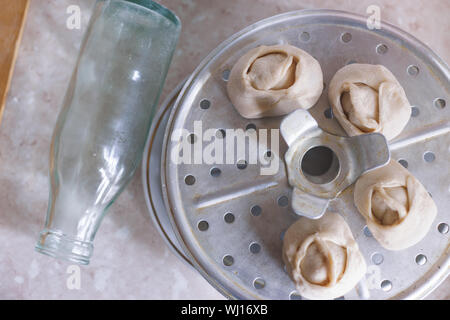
131, 260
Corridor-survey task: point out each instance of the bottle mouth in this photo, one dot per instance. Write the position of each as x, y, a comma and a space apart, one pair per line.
58, 245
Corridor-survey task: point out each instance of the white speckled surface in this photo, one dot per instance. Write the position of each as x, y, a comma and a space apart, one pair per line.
130, 261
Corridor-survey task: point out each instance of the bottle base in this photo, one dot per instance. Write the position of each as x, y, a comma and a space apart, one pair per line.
60, 246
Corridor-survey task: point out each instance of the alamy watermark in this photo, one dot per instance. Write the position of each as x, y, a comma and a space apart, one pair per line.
374, 19
73, 281
373, 277
74, 19
230, 146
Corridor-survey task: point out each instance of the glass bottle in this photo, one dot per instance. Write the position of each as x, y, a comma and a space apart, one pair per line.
101, 130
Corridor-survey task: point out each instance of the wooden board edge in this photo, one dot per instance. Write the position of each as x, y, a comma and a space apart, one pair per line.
13, 62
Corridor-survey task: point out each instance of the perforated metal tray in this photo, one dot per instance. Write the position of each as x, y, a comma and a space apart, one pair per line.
151, 177
242, 258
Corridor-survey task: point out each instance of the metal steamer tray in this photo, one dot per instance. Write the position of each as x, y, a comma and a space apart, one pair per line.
228, 220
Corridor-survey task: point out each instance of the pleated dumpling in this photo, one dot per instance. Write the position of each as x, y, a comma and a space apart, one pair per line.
368, 98
274, 80
322, 257
398, 209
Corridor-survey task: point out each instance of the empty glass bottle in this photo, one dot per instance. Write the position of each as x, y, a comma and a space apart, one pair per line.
103, 125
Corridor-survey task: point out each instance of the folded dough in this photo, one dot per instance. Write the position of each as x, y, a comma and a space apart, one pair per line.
398, 209
274, 80
322, 258
368, 98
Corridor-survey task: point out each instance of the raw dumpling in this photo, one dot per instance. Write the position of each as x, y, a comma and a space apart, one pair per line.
274, 80
398, 209
322, 258
368, 98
